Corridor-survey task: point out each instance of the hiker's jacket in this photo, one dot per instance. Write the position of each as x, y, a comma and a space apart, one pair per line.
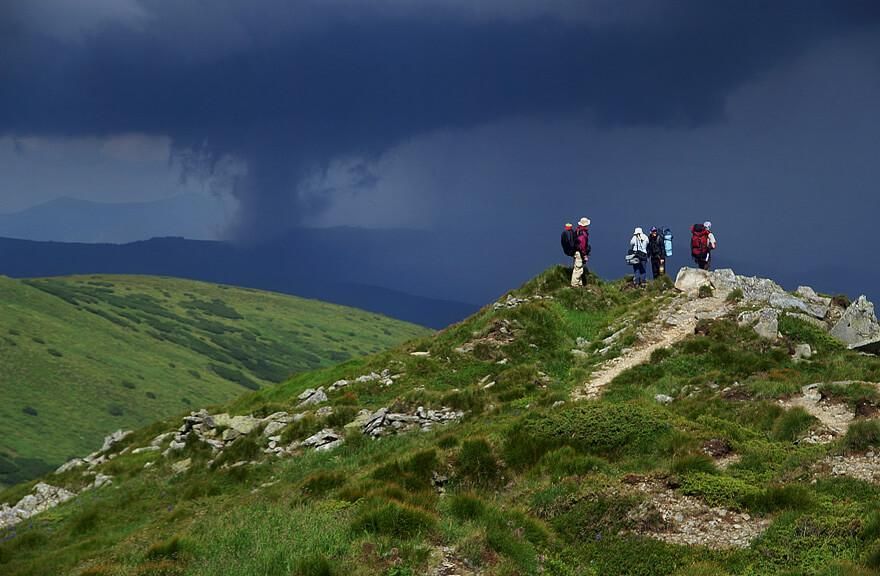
656, 247
582, 234
639, 243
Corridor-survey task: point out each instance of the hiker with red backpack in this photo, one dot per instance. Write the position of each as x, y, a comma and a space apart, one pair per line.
576, 243
702, 244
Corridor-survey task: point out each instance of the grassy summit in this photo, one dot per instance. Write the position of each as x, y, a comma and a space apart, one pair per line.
83, 356
708, 458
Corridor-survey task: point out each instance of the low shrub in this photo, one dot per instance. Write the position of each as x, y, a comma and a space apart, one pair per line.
862, 435
599, 428
717, 490
566, 461
688, 463
776, 498
735, 295
791, 425
477, 466
313, 566
85, 521
392, 518
320, 483
466, 506
413, 474
706, 291
168, 548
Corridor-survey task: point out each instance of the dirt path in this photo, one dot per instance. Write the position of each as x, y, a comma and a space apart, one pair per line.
834, 417
673, 323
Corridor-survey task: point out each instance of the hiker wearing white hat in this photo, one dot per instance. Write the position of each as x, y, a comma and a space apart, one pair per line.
637, 256
582, 252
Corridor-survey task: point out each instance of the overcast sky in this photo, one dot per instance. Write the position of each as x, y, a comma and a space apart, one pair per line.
461, 116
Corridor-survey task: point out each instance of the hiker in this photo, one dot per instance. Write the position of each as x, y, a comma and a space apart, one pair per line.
638, 255
657, 253
581, 250
702, 244
713, 244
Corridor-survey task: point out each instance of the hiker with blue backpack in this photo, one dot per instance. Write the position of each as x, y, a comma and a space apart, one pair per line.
657, 253
576, 244
637, 256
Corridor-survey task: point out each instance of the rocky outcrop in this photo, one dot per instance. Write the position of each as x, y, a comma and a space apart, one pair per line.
326, 439
43, 497
382, 422
98, 457
312, 397
690, 280
765, 322
858, 328
511, 302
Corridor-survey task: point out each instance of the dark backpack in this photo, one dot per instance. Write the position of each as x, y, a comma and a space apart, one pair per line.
699, 241
569, 242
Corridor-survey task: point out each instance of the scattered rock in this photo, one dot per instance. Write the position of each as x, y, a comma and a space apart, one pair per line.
312, 397
858, 327
143, 449
326, 439
181, 466
690, 280
420, 354
860, 466
663, 399
765, 322
802, 352
383, 422
102, 480
43, 497
511, 302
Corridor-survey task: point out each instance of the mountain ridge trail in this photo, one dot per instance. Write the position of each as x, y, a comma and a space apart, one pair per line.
673, 323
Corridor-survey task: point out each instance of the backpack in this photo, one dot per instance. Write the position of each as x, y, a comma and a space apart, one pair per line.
569, 242
667, 241
699, 241
586, 234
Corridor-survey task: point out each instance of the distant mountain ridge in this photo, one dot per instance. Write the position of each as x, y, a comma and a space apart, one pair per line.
73, 220
314, 264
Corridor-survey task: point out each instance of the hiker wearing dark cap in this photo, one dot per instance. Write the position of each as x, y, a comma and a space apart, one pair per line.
656, 253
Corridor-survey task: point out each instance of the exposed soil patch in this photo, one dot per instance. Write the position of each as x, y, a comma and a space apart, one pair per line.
860, 466
448, 563
500, 333
835, 417
676, 519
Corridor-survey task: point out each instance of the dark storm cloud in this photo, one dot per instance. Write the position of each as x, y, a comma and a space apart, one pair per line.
288, 87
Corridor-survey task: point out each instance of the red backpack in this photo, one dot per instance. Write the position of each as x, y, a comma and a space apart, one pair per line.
699, 241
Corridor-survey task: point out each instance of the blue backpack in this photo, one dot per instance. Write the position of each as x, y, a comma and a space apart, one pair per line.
667, 241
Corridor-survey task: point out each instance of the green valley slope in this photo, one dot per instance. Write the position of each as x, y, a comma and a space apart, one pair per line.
83, 356
707, 456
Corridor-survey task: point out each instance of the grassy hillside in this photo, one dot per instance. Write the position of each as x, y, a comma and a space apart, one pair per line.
530, 481
83, 356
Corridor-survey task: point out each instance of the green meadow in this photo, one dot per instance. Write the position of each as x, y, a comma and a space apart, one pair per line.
83, 356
